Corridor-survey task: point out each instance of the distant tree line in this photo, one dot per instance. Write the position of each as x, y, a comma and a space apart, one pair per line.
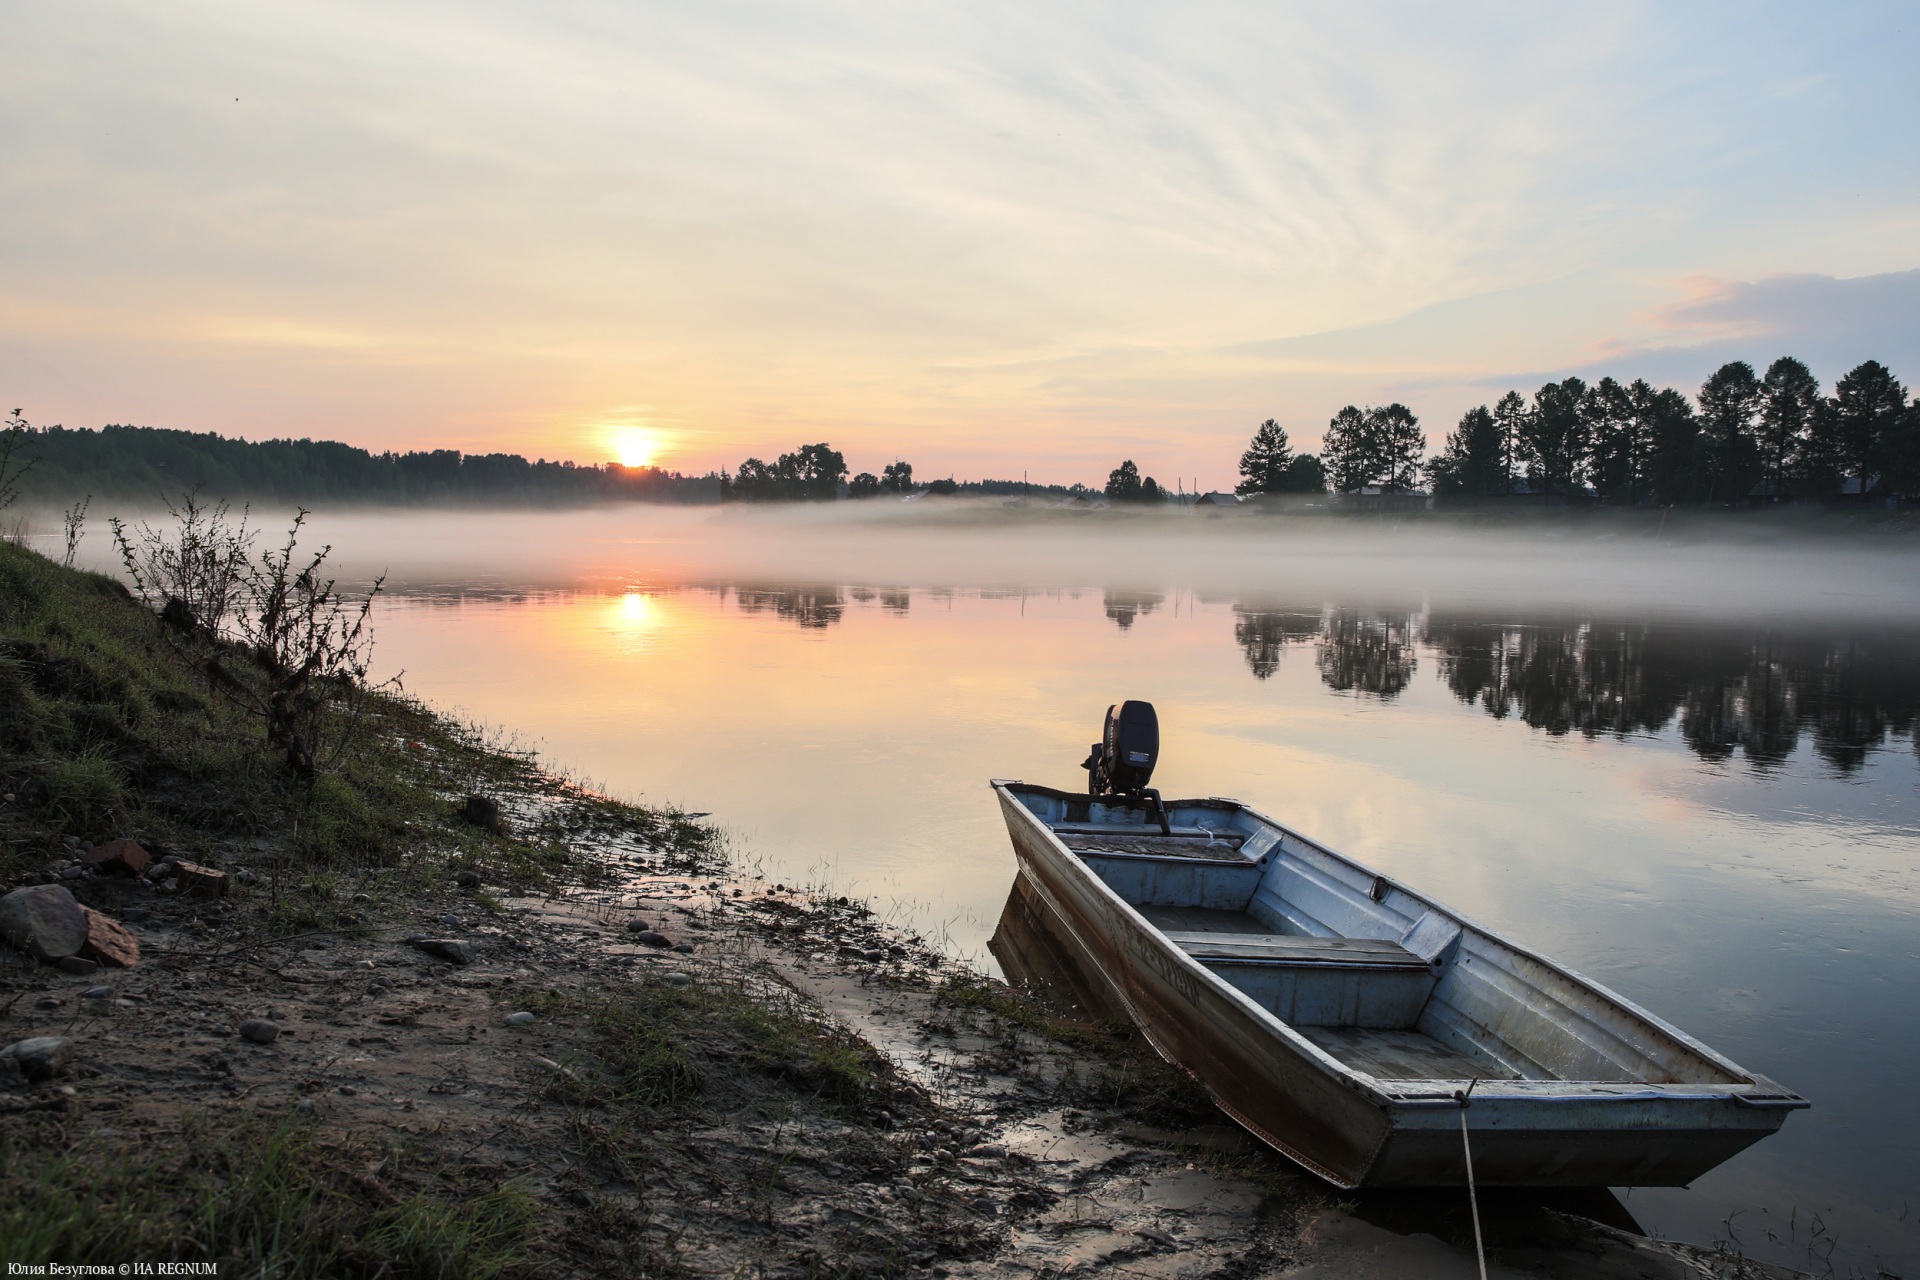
811, 473
818, 473
141, 463
1745, 437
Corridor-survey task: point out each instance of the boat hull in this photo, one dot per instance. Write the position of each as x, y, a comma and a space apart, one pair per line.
1345, 1126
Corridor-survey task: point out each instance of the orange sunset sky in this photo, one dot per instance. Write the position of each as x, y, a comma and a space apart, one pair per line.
986, 237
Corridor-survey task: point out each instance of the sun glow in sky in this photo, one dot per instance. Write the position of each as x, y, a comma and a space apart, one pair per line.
985, 237
636, 446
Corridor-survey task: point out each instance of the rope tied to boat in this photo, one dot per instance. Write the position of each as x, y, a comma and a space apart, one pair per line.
1465, 1098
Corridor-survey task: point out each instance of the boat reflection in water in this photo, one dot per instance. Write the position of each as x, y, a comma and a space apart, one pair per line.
1348, 1021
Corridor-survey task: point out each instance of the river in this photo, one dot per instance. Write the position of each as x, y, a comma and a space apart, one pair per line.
1683, 768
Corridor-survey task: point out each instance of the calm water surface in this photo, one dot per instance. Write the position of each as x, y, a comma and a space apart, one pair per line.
1718, 817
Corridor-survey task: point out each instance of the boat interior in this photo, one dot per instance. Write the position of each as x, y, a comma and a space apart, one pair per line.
1384, 981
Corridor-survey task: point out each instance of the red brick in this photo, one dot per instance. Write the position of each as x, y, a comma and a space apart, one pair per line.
108, 942
123, 856
197, 881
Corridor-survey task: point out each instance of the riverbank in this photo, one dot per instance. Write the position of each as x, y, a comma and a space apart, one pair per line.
547, 1033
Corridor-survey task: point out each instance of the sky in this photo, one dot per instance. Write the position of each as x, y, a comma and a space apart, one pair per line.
989, 238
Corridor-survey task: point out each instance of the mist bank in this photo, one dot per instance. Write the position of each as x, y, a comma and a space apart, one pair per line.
1747, 567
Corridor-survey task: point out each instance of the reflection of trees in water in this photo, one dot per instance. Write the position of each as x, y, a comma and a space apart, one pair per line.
1729, 691
816, 608
1126, 606
892, 599
1263, 634
1726, 690
1366, 653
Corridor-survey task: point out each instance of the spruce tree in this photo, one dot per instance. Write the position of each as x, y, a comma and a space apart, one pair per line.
1473, 462
1266, 465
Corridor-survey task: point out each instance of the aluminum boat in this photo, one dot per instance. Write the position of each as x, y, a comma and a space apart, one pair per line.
1341, 1016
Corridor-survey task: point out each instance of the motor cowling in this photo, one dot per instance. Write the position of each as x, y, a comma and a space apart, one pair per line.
1122, 762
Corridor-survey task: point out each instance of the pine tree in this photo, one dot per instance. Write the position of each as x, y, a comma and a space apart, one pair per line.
1613, 441
1473, 462
1670, 432
1866, 410
1552, 438
1266, 465
1789, 406
1345, 453
1400, 442
1509, 416
1729, 403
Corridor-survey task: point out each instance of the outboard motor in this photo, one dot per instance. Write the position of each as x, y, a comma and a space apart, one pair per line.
1121, 763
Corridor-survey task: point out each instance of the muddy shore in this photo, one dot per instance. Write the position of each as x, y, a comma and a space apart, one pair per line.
796, 1090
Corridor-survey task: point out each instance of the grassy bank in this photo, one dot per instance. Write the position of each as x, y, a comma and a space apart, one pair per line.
105, 733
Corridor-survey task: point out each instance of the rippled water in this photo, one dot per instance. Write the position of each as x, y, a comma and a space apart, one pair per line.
1714, 810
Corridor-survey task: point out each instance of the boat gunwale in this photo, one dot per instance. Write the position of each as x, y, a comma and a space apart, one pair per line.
1751, 1090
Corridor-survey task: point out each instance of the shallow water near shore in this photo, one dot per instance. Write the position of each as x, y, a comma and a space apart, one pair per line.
1700, 789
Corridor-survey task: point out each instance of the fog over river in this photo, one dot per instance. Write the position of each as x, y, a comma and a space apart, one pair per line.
1682, 764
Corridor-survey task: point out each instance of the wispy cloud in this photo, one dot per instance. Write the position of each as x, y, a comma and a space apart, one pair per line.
951, 230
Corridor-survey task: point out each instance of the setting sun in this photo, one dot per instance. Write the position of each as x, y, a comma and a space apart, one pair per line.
635, 446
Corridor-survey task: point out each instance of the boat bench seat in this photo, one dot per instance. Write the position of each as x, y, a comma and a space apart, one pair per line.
1151, 844
1297, 950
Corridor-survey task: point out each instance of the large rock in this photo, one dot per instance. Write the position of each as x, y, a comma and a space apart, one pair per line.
43, 920
108, 942
40, 1058
458, 950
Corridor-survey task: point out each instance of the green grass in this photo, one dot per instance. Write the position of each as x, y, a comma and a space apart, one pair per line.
260, 1198
665, 1050
106, 731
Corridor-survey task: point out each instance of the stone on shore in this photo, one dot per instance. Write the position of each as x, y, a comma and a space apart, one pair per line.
651, 937
40, 1058
44, 921
259, 1030
122, 857
108, 942
483, 812
458, 950
78, 966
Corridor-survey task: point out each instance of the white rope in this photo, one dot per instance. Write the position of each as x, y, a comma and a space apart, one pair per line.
1473, 1194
